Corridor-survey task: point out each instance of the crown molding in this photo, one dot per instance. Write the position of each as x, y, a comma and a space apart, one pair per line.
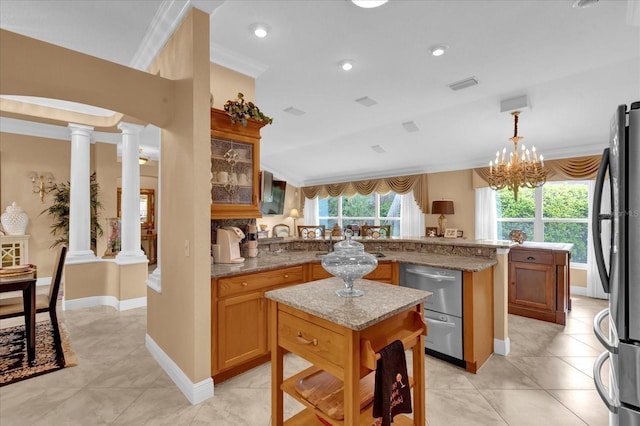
235, 61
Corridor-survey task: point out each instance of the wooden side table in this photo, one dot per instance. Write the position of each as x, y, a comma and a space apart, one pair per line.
342, 337
152, 246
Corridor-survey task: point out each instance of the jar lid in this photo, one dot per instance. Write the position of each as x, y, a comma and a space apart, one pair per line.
349, 246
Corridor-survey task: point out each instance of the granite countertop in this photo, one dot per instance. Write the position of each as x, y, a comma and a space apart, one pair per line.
269, 261
319, 298
460, 242
545, 246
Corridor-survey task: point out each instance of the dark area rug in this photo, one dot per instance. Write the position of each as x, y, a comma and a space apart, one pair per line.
14, 366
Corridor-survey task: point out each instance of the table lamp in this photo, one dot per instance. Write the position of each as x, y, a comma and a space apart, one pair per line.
442, 207
294, 214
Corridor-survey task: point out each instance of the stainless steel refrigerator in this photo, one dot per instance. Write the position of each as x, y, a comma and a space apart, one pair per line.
619, 268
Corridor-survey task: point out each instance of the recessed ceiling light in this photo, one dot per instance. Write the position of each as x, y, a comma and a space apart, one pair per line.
438, 50
260, 30
368, 4
346, 64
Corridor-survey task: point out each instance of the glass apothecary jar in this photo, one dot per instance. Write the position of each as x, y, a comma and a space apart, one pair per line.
349, 262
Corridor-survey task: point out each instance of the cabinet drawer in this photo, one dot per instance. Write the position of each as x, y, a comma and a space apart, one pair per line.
250, 282
310, 341
531, 256
384, 272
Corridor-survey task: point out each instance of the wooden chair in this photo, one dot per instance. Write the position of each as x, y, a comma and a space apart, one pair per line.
376, 231
311, 232
281, 230
14, 306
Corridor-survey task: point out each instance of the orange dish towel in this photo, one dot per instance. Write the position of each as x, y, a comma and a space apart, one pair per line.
392, 394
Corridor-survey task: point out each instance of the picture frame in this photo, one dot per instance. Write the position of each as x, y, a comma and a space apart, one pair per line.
459, 233
451, 233
431, 231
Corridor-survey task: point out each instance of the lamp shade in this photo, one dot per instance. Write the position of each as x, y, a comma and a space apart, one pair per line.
442, 207
294, 213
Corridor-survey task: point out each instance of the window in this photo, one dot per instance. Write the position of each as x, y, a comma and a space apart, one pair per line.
558, 212
373, 209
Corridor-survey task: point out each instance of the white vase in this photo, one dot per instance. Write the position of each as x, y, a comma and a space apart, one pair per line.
14, 220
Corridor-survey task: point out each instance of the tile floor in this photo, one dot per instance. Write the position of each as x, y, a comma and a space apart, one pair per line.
545, 381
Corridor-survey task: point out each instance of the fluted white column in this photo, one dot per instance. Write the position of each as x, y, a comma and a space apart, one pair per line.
80, 196
130, 251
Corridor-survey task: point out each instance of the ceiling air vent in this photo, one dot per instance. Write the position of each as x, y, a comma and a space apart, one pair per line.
463, 84
378, 149
294, 111
366, 101
410, 127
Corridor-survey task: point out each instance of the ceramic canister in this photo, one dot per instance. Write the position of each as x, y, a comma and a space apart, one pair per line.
14, 220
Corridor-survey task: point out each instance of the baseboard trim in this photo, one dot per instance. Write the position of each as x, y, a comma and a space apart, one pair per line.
502, 347
194, 392
89, 302
578, 291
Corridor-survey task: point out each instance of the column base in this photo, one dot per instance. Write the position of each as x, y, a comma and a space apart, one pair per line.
80, 256
126, 258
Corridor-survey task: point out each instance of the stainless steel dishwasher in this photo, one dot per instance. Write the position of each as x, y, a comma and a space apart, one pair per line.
442, 312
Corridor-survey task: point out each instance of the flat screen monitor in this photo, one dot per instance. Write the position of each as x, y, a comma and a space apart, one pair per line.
276, 205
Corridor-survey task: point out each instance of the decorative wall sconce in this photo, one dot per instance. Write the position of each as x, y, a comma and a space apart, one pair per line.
42, 183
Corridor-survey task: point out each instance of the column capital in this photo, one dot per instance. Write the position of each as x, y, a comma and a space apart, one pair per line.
80, 128
130, 127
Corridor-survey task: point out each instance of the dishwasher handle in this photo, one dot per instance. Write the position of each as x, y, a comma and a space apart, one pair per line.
433, 276
611, 404
443, 323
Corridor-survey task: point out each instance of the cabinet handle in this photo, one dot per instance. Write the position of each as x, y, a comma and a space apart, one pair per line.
286, 275
304, 341
244, 284
531, 258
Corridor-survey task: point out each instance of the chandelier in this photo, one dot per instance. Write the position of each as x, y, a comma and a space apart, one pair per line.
524, 170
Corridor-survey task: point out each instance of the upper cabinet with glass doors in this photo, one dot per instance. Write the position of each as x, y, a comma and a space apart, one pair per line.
235, 167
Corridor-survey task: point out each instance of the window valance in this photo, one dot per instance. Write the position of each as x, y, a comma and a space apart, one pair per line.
578, 168
397, 184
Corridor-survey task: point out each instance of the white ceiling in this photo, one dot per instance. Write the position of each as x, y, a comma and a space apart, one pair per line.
575, 65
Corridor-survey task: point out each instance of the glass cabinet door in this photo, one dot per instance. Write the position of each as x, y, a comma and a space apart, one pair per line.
232, 167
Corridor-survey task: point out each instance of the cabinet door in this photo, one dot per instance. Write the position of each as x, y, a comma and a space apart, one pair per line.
532, 285
242, 329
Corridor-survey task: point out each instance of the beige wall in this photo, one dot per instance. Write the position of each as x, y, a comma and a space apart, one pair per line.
225, 85
179, 318
458, 187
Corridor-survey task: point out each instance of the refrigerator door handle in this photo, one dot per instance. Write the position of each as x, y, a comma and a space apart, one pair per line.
611, 404
597, 328
597, 218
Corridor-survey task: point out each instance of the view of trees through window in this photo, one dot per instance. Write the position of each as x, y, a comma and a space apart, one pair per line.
558, 213
373, 209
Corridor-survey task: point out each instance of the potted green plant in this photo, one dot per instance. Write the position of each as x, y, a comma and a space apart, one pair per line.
240, 111
59, 211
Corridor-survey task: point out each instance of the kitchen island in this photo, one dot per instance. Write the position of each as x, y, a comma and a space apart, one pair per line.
239, 305
342, 336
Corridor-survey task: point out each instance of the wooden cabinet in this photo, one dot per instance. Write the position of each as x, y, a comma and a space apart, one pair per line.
386, 272
539, 283
477, 312
235, 167
240, 323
